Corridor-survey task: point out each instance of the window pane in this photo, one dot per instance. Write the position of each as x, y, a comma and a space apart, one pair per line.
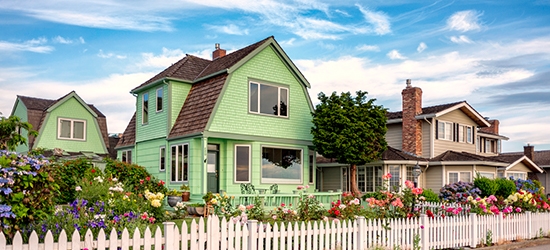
65, 131
253, 97
394, 181
311, 166
378, 177
269, 97
242, 159
469, 134
145, 108
78, 131
281, 165
441, 130
173, 165
159, 99
369, 179
185, 162
162, 164
129, 159
410, 176
465, 176
361, 178
453, 177
448, 131
487, 175
284, 102
461, 133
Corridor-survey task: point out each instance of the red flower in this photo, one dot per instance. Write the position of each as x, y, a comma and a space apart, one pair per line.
148, 178
337, 212
429, 213
93, 171
141, 182
161, 182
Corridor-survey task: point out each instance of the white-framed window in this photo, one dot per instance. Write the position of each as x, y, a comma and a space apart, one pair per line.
487, 175
369, 178
268, 99
162, 158
71, 129
159, 98
281, 165
465, 133
516, 175
145, 108
242, 163
395, 180
445, 130
126, 156
469, 134
179, 167
459, 176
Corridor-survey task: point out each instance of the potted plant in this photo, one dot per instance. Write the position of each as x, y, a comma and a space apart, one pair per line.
185, 192
173, 197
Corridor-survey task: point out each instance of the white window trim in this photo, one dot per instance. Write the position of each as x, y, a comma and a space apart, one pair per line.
157, 98
123, 153
445, 134
469, 134
515, 172
278, 99
458, 172
282, 181
72, 128
188, 163
249, 163
142, 108
160, 158
483, 172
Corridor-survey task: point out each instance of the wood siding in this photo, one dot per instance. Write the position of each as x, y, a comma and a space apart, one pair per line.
456, 116
332, 179
432, 178
520, 167
394, 135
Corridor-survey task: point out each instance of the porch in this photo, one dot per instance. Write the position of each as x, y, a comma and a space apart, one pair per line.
271, 201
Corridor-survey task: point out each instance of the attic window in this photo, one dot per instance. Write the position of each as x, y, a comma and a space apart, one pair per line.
159, 99
71, 129
145, 108
268, 99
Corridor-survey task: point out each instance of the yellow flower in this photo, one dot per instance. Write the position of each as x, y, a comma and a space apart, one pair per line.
155, 203
214, 201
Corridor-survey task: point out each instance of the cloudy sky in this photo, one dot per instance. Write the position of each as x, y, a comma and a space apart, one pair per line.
493, 54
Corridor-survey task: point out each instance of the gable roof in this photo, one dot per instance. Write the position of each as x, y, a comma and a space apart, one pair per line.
439, 110
37, 108
541, 157
129, 136
507, 161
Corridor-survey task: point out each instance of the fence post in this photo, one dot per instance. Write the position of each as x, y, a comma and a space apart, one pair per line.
361, 233
529, 225
252, 234
424, 232
473, 230
169, 234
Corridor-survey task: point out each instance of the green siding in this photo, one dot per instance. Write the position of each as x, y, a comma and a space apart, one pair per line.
71, 109
156, 126
21, 112
232, 114
178, 94
149, 156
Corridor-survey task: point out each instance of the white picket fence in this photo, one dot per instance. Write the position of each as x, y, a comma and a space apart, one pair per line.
213, 233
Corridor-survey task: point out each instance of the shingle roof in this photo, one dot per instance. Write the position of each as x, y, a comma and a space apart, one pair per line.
36, 113
129, 136
192, 68
425, 110
450, 155
542, 157
391, 154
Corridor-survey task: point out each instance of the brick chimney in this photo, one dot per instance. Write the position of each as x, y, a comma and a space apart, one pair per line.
529, 151
412, 128
493, 128
218, 52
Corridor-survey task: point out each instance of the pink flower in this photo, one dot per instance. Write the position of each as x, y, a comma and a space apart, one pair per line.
409, 184
417, 191
387, 176
518, 210
494, 209
397, 203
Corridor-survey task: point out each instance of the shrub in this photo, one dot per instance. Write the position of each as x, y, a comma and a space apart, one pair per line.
486, 186
309, 208
27, 191
458, 192
506, 187
134, 177
67, 173
430, 196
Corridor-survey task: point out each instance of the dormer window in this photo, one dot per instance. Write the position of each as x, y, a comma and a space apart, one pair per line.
268, 99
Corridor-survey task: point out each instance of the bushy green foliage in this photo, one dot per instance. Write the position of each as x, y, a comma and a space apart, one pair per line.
430, 196
134, 176
11, 135
27, 191
486, 186
506, 187
67, 174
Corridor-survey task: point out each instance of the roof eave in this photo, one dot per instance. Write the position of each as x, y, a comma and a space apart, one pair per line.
488, 135
531, 163
480, 121
447, 163
392, 121
161, 80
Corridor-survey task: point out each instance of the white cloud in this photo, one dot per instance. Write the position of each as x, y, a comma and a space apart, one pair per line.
366, 47
231, 29
460, 39
421, 47
63, 40
464, 21
165, 59
34, 45
288, 42
394, 54
379, 20
109, 55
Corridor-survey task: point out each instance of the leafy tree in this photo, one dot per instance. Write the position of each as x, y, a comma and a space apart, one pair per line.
350, 129
10, 132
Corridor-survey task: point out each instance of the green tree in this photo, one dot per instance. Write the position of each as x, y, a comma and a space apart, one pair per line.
350, 129
10, 132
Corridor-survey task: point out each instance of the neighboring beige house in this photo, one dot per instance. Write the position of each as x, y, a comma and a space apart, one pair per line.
542, 159
450, 142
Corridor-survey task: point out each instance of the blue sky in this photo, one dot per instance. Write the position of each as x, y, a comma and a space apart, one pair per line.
493, 54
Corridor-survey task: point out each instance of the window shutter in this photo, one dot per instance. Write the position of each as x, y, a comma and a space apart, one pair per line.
436, 129
455, 132
473, 135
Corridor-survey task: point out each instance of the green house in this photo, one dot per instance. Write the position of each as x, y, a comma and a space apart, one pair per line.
240, 118
67, 127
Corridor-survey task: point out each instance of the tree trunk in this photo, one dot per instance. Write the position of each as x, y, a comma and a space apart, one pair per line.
353, 181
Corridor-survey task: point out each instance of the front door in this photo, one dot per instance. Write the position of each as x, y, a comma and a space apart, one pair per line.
213, 168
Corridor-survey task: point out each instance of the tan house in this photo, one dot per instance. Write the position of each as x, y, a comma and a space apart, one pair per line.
450, 142
541, 158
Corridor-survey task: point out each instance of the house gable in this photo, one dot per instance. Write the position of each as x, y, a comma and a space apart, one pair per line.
457, 118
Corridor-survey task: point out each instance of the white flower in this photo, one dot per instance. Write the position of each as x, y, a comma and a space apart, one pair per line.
78, 188
98, 179
342, 206
115, 179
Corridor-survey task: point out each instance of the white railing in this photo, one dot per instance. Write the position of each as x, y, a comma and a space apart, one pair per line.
214, 233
